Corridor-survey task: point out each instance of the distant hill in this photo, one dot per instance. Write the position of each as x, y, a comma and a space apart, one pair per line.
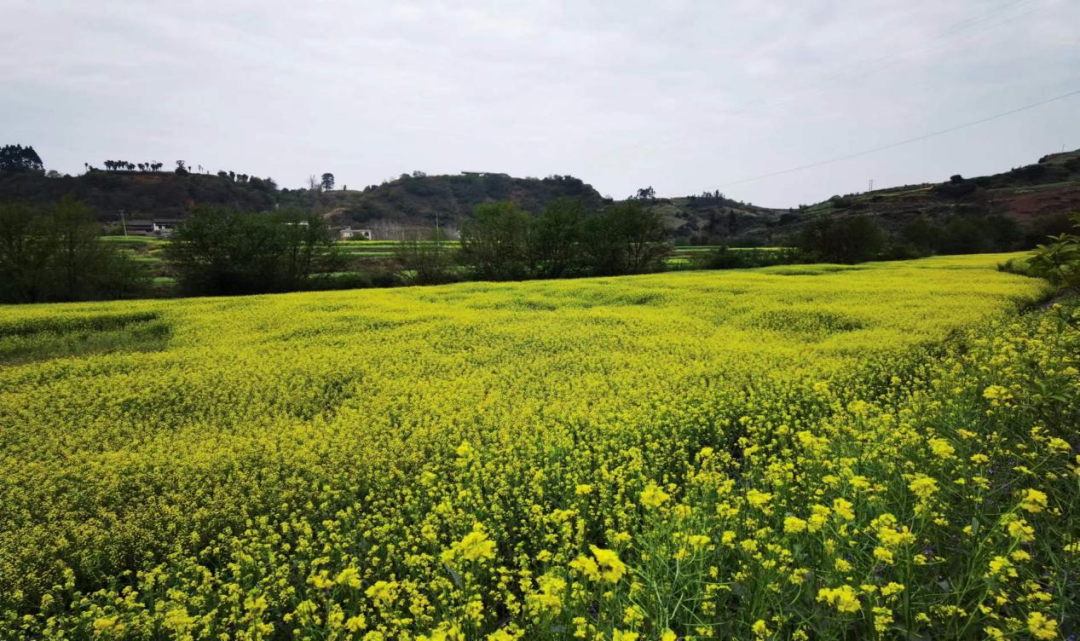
410, 201
416, 200
1039, 197
138, 193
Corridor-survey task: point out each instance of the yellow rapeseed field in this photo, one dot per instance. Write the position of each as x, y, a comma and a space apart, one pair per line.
808, 452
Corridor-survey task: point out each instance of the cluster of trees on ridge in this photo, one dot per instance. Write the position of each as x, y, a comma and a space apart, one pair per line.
19, 158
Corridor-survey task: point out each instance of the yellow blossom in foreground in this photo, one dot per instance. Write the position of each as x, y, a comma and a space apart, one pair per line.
1034, 501
923, 486
758, 499
349, 577
942, 448
604, 565
1041, 627
842, 507
476, 546
356, 623
383, 593
844, 598
318, 464
794, 525
652, 496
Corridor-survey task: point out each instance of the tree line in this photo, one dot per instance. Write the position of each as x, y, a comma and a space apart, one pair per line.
858, 238
55, 254
503, 242
19, 158
221, 251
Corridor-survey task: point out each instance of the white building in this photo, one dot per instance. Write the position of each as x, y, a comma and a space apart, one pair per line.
348, 233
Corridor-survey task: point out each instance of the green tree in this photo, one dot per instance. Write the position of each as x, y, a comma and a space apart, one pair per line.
57, 255
19, 158
421, 261
921, 235
847, 240
625, 238
963, 235
555, 239
26, 249
495, 243
223, 251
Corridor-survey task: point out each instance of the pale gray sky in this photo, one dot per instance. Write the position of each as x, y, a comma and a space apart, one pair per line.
684, 95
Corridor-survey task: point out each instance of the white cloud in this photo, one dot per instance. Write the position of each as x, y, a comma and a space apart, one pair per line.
683, 95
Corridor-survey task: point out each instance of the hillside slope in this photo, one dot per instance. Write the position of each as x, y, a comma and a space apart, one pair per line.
138, 194
1039, 197
418, 199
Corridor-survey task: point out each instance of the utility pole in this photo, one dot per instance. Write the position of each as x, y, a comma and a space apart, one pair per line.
123, 222
871, 185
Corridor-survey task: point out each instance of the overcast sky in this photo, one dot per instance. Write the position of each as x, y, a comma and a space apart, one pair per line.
684, 96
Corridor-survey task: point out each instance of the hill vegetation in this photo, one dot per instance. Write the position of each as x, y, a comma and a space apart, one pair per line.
139, 194
420, 201
1012, 209
966, 214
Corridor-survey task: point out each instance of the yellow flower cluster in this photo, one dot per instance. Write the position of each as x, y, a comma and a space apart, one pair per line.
885, 450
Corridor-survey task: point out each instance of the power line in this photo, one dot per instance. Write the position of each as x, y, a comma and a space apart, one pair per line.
899, 143
865, 68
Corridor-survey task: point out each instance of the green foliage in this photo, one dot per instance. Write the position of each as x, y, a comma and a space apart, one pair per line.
425, 262
555, 240
56, 255
19, 158
848, 240
961, 234
957, 187
502, 242
80, 336
494, 245
149, 195
222, 251
1059, 260
625, 238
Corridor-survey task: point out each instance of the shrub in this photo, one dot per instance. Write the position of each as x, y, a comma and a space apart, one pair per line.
842, 240
219, 251
56, 254
1058, 260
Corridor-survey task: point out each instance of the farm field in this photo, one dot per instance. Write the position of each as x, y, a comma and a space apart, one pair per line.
813, 452
151, 246
362, 257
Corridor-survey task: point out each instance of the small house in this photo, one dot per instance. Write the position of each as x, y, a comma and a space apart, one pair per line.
348, 233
